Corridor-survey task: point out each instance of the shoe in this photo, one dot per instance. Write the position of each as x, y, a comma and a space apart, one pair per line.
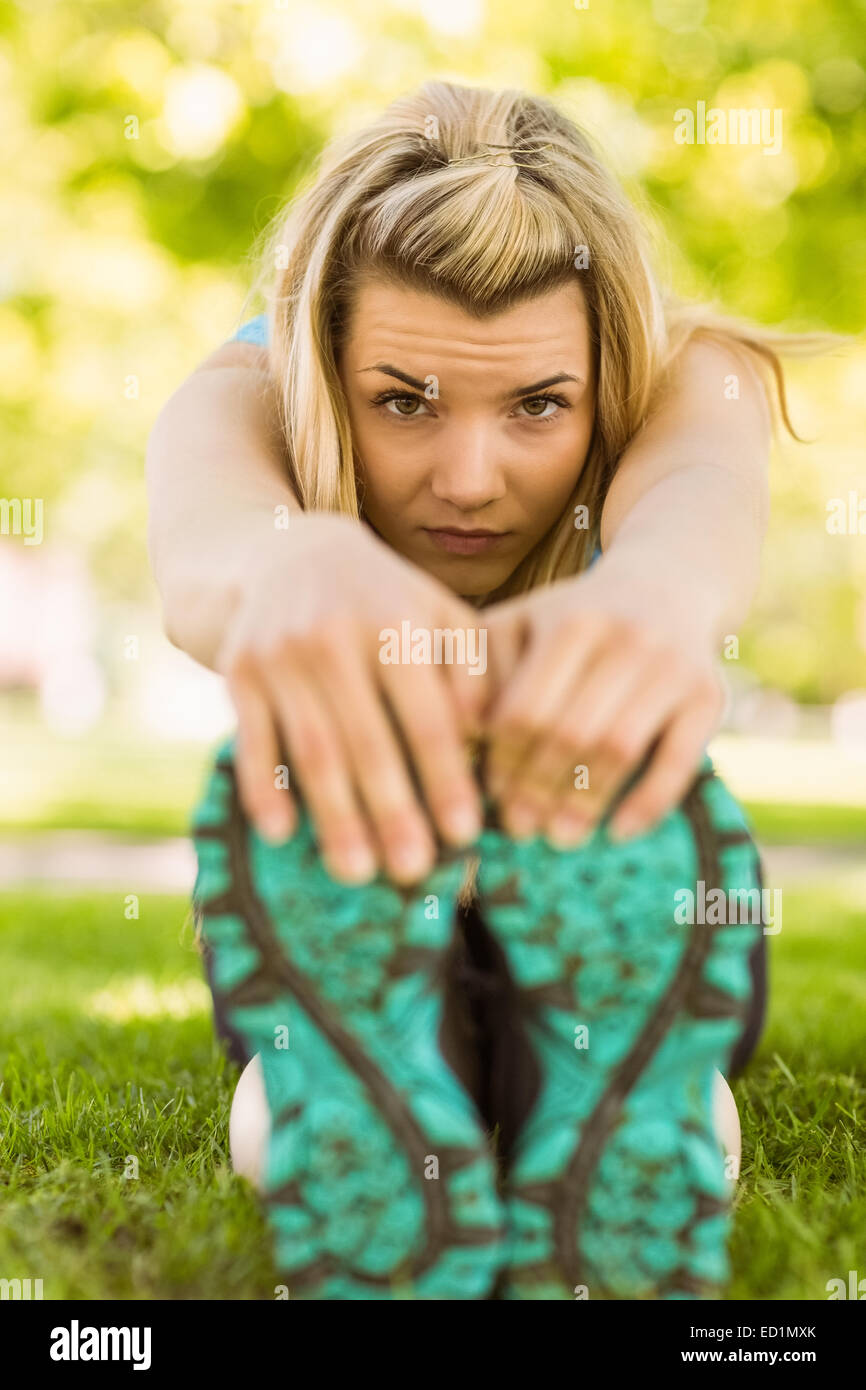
616, 1184
378, 1178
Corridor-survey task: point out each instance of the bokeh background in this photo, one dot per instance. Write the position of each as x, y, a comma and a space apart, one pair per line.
145, 149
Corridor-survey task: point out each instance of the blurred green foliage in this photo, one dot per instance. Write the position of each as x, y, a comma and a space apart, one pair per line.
147, 146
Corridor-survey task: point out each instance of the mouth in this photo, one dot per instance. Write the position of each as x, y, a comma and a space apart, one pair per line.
456, 541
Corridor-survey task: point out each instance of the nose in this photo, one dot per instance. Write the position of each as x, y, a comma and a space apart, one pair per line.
468, 472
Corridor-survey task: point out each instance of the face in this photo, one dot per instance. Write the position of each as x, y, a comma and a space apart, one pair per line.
469, 434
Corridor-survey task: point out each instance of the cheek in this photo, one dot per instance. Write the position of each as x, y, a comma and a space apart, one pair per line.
545, 488
385, 470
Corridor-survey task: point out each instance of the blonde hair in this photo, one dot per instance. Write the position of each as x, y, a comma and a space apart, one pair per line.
484, 198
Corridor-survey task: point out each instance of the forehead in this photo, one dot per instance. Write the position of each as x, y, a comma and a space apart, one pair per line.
389, 319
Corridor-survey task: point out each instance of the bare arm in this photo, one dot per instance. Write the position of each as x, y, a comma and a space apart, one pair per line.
216, 470
689, 503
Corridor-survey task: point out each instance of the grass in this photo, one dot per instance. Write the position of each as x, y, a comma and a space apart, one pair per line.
143, 788
151, 817
107, 1054
801, 1205
786, 822
146, 787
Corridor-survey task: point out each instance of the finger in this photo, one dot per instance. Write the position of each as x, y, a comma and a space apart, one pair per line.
470, 695
621, 747
592, 709
470, 681
670, 769
535, 694
624, 661
319, 762
421, 702
508, 633
377, 762
270, 808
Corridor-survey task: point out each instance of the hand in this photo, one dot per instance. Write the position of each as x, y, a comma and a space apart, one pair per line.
592, 672
302, 662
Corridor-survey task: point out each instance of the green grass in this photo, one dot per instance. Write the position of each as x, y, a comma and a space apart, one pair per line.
789, 822
107, 781
801, 1207
147, 812
146, 787
106, 1051
83, 1087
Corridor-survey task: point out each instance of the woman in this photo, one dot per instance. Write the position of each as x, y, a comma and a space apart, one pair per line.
461, 262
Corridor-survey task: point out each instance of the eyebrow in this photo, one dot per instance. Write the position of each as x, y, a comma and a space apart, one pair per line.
388, 370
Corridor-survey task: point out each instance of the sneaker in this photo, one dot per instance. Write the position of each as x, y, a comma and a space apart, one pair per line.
617, 1185
379, 1180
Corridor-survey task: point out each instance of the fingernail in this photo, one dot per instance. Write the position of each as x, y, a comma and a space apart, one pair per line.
411, 859
567, 832
352, 863
275, 827
461, 823
360, 861
521, 820
625, 829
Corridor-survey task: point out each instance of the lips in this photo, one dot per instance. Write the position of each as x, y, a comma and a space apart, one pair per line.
463, 531
456, 541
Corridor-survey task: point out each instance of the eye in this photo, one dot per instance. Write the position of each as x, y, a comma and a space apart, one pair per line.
399, 398
407, 404
544, 401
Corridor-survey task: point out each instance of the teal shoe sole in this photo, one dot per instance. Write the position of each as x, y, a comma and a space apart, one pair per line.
617, 1184
379, 1179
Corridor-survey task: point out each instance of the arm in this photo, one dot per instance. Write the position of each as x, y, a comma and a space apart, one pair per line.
209, 510
689, 503
630, 647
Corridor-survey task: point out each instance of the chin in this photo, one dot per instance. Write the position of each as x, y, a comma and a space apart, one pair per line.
470, 579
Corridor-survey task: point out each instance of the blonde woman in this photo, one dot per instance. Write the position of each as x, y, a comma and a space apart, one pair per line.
439, 866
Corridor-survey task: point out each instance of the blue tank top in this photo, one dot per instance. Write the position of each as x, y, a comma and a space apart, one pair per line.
253, 331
